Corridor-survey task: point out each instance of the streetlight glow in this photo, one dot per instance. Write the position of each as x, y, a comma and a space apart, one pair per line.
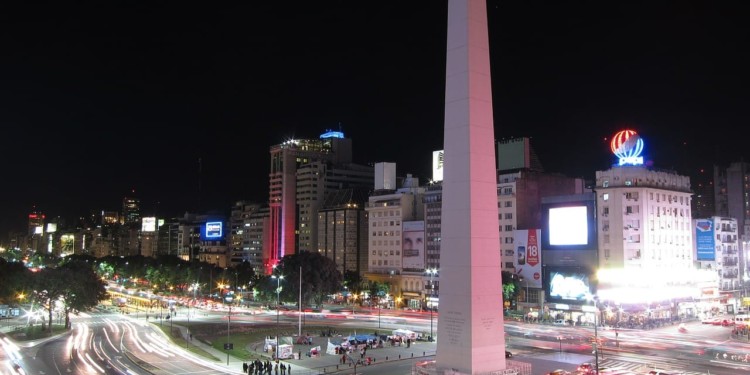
278, 303
432, 272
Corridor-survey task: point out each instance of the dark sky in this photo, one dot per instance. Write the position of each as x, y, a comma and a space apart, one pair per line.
100, 99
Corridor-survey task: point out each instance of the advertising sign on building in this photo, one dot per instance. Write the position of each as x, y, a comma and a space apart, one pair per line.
437, 165
214, 229
148, 224
704, 240
412, 245
528, 257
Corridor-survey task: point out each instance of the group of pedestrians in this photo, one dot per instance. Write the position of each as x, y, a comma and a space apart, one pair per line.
266, 367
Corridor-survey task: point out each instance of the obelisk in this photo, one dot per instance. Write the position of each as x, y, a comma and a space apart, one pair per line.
471, 338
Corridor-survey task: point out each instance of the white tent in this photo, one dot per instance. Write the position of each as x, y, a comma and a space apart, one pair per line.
405, 333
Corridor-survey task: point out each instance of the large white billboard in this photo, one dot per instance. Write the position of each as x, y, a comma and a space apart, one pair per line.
412, 251
437, 165
148, 224
528, 257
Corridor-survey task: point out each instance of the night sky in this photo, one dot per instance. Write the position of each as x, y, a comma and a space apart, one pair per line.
103, 99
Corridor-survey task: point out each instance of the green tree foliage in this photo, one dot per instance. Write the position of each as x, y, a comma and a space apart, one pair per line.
511, 286
14, 280
84, 288
320, 277
49, 287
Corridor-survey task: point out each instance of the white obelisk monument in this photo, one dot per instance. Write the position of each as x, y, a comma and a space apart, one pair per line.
471, 337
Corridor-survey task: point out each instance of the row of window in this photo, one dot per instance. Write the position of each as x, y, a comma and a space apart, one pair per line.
386, 262
385, 223
391, 233
385, 252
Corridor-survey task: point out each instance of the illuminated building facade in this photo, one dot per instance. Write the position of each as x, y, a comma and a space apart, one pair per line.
387, 211
342, 229
247, 227
717, 247
131, 211
37, 242
732, 199
302, 171
644, 219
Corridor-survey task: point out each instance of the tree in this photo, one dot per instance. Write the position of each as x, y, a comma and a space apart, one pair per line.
84, 288
511, 285
320, 276
49, 286
14, 278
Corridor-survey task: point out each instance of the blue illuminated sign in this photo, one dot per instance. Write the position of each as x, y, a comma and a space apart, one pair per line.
704, 240
214, 229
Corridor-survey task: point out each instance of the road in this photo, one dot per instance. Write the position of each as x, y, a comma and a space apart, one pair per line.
113, 343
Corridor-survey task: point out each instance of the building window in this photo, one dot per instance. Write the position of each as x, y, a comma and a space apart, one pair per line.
605, 197
508, 216
508, 204
508, 228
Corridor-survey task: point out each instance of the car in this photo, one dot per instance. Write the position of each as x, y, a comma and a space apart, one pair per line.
559, 322
508, 354
559, 372
709, 320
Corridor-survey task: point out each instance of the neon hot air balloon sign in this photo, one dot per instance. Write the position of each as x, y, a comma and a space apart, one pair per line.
627, 145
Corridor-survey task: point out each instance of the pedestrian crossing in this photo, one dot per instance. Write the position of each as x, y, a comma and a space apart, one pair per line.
616, 367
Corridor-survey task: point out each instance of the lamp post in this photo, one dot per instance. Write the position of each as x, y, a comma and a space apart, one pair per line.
432, 272
278, 302
379, 312
593, 300
229, 321
299, 316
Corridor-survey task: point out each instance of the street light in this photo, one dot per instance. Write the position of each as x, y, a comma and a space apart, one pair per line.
432, 272
595, 310
278, 302
229, 321
299, 316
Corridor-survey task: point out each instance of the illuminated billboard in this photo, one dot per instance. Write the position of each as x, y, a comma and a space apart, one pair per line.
569, 225
39, 230
528, 257
148, 224
412, 254
568, 284
705, 243
437, 165
214, 230
627, 145
51, 227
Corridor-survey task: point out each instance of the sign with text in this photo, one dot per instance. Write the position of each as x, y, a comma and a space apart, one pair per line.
528, 257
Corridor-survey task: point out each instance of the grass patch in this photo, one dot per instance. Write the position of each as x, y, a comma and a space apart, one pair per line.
27, 333
247, 340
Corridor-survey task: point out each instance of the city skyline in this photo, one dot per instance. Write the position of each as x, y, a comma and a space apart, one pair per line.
98, 102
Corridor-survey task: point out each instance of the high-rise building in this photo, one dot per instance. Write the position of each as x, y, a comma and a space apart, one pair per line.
36, 242
246, 226
388, 213
703, 199
302, 171
644, 219
131, 212
716, 242
732, 199
342, 229
516, 154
